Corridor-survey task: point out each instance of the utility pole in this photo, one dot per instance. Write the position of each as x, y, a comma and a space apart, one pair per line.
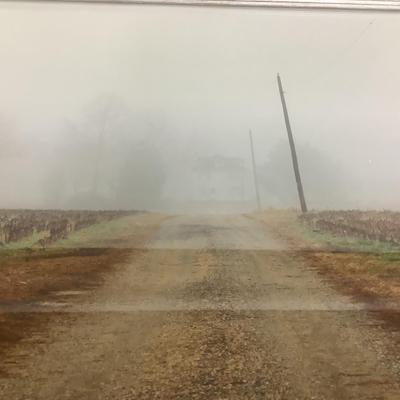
254, 171
292, 149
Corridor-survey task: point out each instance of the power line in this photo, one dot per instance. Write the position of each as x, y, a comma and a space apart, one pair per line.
339, 56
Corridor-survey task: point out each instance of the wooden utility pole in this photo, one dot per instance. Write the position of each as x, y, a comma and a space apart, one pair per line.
254, 172
292, 149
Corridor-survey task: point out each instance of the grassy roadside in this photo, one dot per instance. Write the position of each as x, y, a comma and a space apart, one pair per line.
127, 232
122, 232
288, 227
367, 270
28, 272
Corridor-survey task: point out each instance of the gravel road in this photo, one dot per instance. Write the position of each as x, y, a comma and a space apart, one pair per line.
212, 308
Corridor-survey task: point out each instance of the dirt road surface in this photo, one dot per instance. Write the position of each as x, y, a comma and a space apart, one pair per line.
211, 308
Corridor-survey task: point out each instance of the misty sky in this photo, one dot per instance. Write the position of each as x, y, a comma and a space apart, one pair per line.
206, 75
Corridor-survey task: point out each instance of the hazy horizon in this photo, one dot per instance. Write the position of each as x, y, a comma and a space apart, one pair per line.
170, 89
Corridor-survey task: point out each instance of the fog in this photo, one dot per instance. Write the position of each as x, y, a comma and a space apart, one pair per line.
149, 107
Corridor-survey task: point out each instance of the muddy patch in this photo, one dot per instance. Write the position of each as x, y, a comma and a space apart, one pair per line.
47, 277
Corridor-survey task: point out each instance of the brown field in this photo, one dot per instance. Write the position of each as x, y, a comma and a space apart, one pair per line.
44, 227
367, 270
383, 226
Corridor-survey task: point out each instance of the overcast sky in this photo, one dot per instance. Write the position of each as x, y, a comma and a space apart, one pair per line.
210, 74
